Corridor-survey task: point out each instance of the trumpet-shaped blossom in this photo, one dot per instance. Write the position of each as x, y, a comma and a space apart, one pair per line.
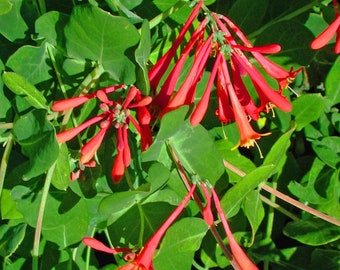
143, 260
157, 71
116, 114
333, 29
225, 44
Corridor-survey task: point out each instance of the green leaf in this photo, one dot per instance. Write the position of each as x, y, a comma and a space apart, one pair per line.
16, 23
308, 193
65, 218
50, 26
5, 6
10, 238
140, 222
95, 34
61, 173
37, 138
278, 151
312, 232
328, 150
188, 143
234, 158
248, 15
254, 211
158, 175
5, 108
117, 204
183, 238
20, 86
232, 200
306, 109
142, 55
8, 206
332, 83
31, 63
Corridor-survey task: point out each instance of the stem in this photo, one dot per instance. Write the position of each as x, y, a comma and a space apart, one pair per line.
142, 225
301, 205
4, 161
270, 217
35, 252
42, 6
88, 252
279, 208
83, 89
197, 200
285, 197
56, 70
6, 126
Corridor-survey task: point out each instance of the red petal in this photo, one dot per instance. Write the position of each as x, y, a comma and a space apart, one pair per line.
239, 255
66, 104
271, 48
188, 87
118, 168
90, 148
130, 96
207, 212
126, 150
97, 245
71, 133
322, 39
157, 71
168, 87
202, 105
145, 257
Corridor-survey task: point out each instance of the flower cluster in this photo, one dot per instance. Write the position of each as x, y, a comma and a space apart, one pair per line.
225, 44
116, 114
142, 259
333, 29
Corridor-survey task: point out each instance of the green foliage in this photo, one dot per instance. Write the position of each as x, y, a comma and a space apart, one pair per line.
36, 136
94, 34
52, 50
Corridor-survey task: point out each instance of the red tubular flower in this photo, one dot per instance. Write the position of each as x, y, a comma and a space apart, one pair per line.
283, 77
203, 103
240, 256
115, 114
157, 71
276, 98
186, 92
70, 103
143, 260
333, 29
224, 112
247, 134
243, 95
167, 89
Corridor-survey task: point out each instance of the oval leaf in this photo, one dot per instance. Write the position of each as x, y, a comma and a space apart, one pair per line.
20, 86
94, 34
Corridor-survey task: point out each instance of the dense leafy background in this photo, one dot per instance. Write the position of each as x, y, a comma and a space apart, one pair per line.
50, 50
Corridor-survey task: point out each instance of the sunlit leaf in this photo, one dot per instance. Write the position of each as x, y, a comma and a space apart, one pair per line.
306, 109
187, 235
20, 86
95, 34
332, 83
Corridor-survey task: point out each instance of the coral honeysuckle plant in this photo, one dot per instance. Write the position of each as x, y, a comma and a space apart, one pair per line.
176, 134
